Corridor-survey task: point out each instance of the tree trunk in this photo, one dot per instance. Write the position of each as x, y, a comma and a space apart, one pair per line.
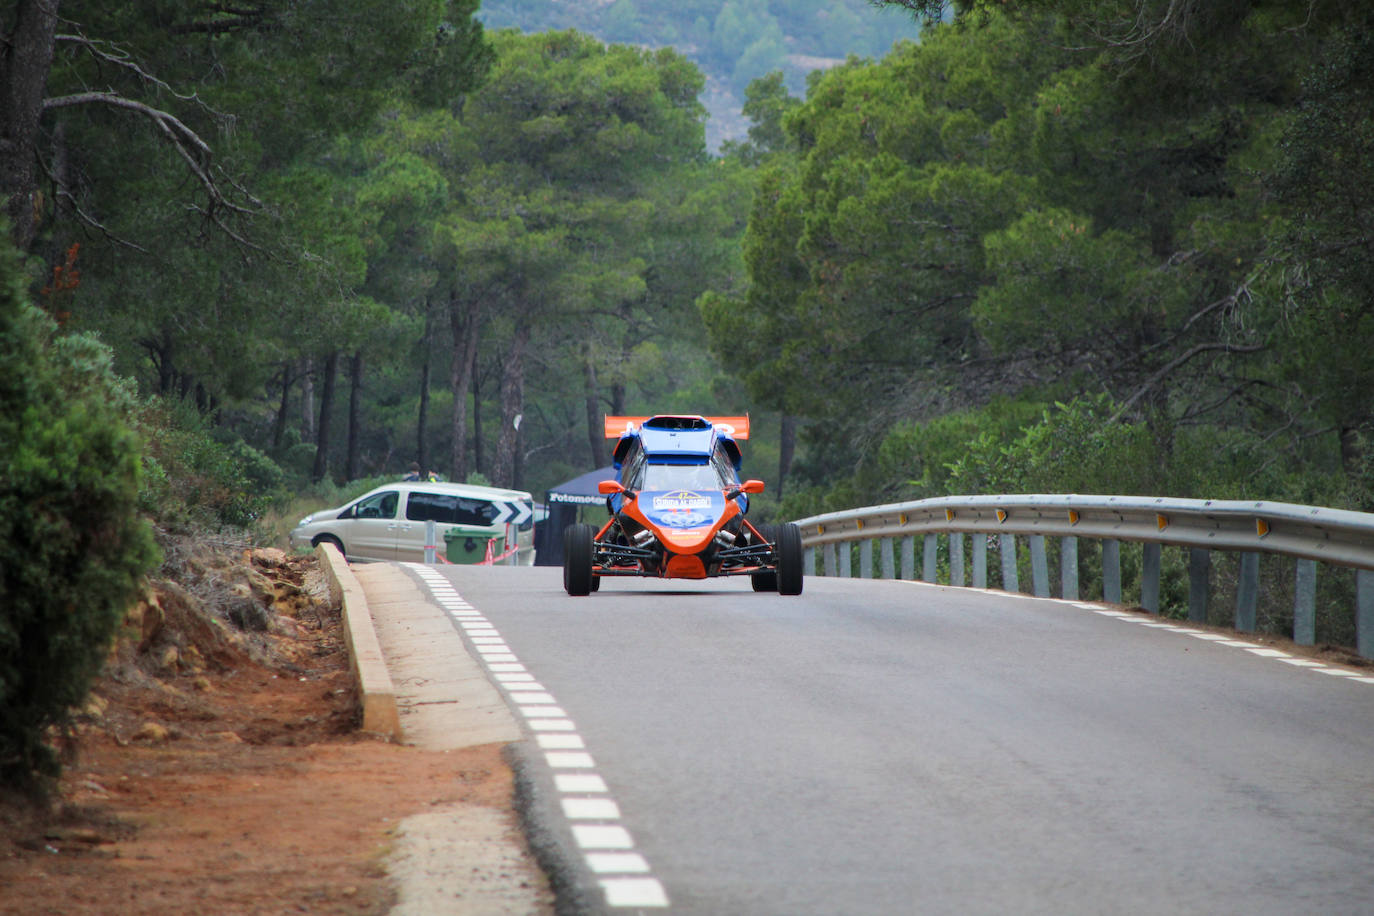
465, 320
479, 458
1352, 452
160, 352
24, 64
618, 399
283, 408
787, 448
422, 421
595, 428
355, 397
321, 468
512, 407
307, 399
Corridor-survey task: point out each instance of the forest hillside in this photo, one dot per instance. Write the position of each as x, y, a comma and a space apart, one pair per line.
732, 41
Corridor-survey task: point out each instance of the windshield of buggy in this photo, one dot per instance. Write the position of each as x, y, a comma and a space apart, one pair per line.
703, 476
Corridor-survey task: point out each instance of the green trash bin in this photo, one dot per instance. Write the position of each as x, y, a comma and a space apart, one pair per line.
468, 544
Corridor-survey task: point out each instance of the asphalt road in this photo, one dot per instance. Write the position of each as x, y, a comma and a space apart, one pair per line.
894, 748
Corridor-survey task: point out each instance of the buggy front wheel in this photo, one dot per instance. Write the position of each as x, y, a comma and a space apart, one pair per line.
578, 545
789, 553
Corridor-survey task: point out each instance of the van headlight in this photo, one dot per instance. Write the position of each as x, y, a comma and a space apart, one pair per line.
305, 521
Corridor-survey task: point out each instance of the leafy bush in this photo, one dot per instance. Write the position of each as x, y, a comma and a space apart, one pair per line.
72, 544
195, 480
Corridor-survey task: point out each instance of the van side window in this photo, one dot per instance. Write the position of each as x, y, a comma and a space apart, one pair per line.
380, 505
449, 510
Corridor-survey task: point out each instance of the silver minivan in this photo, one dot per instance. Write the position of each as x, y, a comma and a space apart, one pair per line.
389, 523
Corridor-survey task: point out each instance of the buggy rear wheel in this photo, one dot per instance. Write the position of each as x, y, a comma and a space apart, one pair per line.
789, 551
578, 545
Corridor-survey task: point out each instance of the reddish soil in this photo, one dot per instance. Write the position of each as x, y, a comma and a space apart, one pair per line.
228, 777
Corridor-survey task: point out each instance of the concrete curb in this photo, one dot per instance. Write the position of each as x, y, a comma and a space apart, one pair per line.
376, 693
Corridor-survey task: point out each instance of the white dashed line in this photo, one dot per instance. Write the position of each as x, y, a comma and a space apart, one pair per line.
634, 892
569, 760
552, 725
617, 863
590, 809
608, 847
532, 694
586, 783
602, 836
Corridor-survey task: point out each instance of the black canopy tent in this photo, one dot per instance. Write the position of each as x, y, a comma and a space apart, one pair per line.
562, 503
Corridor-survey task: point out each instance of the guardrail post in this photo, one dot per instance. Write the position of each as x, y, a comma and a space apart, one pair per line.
909, 558
1199, 582
1305, 603
866, 558
846, 553
980, 560
1247, 592
1149, 576
930, 567
956, 558
1007, 543
1111, 572
832, 566
809, 561
1364, 612
1068, 567
431, 536
889, 567
1040, 567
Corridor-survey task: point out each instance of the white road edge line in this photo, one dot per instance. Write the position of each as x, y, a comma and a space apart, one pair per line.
1221, 639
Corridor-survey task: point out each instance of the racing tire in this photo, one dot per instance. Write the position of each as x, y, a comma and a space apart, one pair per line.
789, 551
578, 545
766, 581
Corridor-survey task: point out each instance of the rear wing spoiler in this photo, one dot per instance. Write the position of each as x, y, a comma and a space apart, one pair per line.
735, 427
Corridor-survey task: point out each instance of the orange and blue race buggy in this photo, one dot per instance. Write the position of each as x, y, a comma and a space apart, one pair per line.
677, 510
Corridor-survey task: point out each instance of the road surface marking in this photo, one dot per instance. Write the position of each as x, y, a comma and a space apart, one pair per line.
564, 750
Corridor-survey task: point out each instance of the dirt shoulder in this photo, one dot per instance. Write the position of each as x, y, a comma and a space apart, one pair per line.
219, 769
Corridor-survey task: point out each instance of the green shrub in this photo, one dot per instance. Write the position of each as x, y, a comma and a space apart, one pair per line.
72, 544
194, 480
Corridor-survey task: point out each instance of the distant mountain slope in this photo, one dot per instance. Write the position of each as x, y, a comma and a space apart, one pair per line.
733, 41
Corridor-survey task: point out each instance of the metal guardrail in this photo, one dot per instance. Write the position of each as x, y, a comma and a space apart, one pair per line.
1308, 534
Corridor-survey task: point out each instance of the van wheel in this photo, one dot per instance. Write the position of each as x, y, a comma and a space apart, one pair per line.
789, 551
577, 559
330, 539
